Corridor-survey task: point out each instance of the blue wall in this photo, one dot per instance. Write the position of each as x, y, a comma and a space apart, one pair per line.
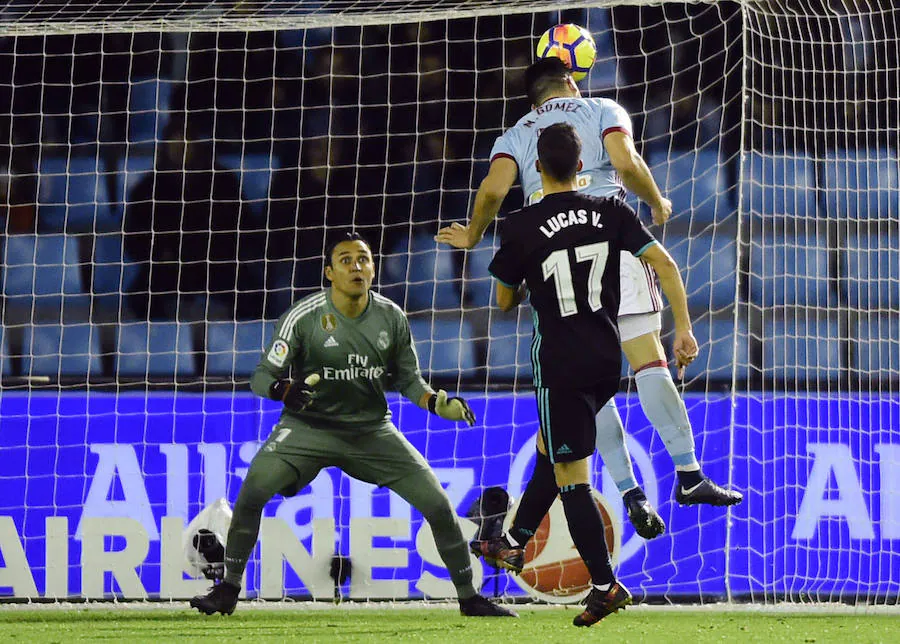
821, 515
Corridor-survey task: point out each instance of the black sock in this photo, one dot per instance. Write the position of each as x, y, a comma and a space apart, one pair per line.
539, 495
690, 479
587, 530
635, 493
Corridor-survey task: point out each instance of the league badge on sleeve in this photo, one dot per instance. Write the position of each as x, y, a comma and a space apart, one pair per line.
278, 353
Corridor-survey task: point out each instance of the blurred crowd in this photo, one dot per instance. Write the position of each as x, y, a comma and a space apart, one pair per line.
383, 128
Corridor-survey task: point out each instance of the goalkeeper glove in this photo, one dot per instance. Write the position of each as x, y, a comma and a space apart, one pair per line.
451, 408
295, 396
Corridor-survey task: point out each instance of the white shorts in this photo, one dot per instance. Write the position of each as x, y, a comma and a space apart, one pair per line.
636, 325
638, 286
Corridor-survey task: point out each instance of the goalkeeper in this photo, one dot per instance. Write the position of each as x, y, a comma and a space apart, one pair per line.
609, 164
346, 346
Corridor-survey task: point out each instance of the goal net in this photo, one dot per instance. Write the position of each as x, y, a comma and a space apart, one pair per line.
172, 174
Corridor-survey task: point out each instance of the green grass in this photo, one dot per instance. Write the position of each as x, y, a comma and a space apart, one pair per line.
140, 623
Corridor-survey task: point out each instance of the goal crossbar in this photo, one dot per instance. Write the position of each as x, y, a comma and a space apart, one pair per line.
60, 17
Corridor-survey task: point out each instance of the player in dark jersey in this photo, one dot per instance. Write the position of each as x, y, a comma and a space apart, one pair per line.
565, 252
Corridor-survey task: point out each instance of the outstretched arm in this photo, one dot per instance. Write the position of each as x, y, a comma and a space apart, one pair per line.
636, 175
685, 345
491, 193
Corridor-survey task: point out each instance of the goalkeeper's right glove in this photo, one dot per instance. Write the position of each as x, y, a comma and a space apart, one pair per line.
451, 408
295, 396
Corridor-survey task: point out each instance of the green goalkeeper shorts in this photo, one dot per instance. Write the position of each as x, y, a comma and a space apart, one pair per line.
380, 455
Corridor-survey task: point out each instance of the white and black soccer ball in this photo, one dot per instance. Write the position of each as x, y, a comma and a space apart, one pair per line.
204, 541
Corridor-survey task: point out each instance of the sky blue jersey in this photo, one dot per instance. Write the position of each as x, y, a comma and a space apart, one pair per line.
592, 118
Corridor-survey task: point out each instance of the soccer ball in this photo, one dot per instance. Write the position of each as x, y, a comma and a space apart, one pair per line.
572, 44
554, 571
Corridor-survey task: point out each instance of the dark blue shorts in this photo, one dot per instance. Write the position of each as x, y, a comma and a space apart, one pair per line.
568, 419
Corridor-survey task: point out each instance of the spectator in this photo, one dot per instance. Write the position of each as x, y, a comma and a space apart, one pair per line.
186, 227
19, 95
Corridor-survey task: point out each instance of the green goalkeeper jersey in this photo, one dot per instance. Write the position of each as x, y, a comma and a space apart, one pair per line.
358, 359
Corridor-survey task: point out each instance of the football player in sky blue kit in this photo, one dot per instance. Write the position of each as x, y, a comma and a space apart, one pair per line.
345, 346
609, 165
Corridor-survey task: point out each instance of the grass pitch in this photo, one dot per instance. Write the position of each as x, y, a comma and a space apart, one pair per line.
438, 623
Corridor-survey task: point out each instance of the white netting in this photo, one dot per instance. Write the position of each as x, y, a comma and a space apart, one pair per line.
821, 208
173, 170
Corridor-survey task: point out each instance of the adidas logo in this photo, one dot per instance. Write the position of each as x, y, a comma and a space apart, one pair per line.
331, 342
563, 449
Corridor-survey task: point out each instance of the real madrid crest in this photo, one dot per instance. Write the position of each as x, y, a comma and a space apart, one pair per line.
329, 322
384, 341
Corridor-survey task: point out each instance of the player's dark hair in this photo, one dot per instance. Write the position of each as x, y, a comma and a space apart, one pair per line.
544, 76
559, 151
340, 239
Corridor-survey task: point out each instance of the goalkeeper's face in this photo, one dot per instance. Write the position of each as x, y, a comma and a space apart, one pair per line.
352, 269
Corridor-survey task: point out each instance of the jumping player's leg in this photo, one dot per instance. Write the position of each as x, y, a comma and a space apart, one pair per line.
637, 294
612, 448
666, 411
610, 444
659, 398
639, 326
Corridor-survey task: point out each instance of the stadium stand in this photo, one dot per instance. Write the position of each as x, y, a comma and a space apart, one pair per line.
155, 349
792, 270
444, 346
73, 196
696, 182
777, 185
707, 267
424, 279
872, 271
234, 349
804, 345
861, 184
57, 350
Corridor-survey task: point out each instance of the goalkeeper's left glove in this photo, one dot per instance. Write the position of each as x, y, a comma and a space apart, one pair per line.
451, 408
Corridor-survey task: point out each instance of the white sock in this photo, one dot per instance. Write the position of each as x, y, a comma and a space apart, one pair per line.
610, 443
665, 410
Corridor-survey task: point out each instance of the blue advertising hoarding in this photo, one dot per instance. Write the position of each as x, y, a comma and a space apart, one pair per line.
94, 482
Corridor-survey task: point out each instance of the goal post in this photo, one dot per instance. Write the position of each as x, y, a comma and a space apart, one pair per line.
173, 171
